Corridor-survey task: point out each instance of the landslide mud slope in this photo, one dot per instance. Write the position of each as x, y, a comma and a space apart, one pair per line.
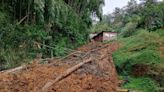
97, 76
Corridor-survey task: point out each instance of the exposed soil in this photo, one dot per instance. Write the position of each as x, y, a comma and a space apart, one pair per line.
98, 76
140, 69
161, 50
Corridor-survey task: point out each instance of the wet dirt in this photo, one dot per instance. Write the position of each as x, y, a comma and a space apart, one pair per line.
98, 76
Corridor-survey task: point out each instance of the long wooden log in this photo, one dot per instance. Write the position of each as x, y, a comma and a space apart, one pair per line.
65, 74
122, 90
14, 69
70, 70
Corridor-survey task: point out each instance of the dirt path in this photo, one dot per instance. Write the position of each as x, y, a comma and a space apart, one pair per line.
97, 76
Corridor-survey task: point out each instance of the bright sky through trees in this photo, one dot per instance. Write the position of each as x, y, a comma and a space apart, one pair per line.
111, 4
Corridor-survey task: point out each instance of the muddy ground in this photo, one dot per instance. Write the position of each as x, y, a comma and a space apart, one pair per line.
97, 76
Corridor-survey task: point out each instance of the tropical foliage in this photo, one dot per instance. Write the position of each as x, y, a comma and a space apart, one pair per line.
149, 14
44, 26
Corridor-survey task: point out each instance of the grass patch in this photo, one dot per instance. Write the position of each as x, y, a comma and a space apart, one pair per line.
10, 58
141, 48
142, 84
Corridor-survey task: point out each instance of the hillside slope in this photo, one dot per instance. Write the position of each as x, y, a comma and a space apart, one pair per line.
97, 76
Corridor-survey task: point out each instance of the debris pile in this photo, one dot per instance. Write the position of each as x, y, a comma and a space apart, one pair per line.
90, 68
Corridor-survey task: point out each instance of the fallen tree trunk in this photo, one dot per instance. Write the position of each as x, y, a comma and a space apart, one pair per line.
14, 69
65, 74
70, 70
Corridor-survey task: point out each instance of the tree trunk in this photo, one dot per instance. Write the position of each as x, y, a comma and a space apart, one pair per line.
20, 9
65, 74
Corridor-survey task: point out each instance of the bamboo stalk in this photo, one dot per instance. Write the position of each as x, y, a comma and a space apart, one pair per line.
22, 19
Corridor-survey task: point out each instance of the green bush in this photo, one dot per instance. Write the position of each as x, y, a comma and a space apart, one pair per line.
142, 84
147, 57
100, 27
125, 60
54, 24
160, 32
4, 18
24, 39
10, 58
17, 44
129, 29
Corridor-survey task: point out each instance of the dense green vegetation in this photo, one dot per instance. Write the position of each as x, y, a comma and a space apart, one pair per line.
141, 48
100, 27
142, 84
31, 27
142, 41
148, 15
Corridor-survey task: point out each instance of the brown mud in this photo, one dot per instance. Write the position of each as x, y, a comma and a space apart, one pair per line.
97, 76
